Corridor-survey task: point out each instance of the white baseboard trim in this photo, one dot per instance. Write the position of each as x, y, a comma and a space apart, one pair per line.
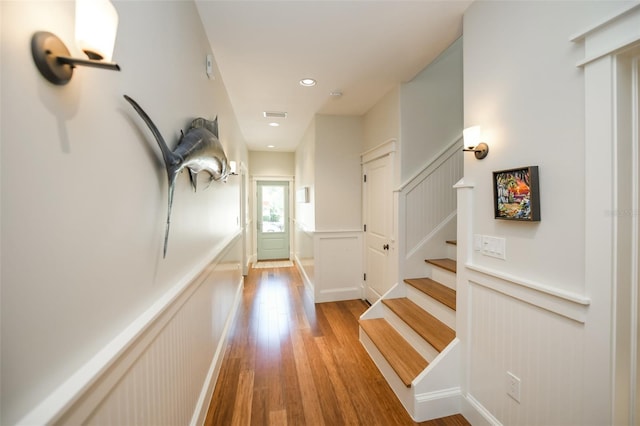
335, 295
476, 413
308, 284
437, 404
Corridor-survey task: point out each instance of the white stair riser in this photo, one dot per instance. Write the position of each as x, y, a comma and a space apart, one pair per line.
423, 347
443, 276
435, 308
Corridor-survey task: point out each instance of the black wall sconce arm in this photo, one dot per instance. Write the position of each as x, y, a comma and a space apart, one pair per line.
54, 63
481, 150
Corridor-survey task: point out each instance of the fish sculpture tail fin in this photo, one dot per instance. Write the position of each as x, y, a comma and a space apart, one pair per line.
166, 232
170, 161
168, 156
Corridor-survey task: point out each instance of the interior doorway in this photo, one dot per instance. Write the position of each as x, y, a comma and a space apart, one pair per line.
272, 218
627, 254
377, 212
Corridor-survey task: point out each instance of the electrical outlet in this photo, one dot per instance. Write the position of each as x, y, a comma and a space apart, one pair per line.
513, 386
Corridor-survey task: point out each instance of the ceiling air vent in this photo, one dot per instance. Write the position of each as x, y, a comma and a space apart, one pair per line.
274, 114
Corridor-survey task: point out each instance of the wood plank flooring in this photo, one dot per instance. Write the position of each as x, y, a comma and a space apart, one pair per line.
290, 362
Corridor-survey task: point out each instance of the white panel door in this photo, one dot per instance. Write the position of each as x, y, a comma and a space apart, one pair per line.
378, 204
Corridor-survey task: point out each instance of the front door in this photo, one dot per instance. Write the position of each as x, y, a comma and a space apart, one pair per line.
273, 220
378, 203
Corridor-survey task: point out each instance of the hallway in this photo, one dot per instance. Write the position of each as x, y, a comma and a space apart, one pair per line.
290, 362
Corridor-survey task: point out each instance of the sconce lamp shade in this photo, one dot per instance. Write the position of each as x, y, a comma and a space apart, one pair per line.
96, 28
471, 136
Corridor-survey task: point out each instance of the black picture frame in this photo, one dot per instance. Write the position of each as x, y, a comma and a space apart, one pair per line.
516, 194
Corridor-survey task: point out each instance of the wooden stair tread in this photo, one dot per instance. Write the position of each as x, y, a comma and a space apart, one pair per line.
452, 242
430, 328
437, 291
401, 356
448, 264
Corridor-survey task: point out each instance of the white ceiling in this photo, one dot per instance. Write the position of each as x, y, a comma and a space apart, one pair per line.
361, 48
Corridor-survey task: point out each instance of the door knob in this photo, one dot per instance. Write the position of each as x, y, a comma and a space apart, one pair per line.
385, 247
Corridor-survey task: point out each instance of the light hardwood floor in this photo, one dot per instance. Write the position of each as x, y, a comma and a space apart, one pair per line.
290, 362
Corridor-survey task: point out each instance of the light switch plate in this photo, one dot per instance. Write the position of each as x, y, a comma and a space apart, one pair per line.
493, 247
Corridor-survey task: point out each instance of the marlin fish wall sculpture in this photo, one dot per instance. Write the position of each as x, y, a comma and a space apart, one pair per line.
198, 150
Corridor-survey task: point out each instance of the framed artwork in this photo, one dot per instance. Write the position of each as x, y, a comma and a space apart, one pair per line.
516, 194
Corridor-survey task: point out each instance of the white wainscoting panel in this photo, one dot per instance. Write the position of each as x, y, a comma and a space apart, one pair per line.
304, 255
338, 268
167, 374
427, 211
431, 201
543, 349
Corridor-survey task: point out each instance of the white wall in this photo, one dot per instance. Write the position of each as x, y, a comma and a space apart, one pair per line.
84, 191
264, 163
305, 170
382, 122
338, 187
329, 225
305, 220
431, 110
524, 89
527, 314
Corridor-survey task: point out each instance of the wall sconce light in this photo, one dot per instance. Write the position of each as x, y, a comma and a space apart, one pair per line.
471, 136
96, 26
233, 168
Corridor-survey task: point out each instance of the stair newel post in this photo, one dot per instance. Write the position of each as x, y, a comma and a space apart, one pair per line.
464, 255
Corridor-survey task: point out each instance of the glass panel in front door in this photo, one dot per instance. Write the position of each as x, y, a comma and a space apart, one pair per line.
273, 204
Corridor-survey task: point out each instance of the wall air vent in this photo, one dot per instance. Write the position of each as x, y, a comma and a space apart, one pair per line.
274, 114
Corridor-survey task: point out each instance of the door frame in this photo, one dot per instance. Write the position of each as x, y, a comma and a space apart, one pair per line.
615, 399
387, 148
254, 212
626, 234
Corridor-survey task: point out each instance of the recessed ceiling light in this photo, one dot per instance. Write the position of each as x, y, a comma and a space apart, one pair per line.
271, 146
307, 82
274, 124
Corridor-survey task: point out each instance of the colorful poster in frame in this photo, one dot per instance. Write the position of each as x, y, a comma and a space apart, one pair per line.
516, 194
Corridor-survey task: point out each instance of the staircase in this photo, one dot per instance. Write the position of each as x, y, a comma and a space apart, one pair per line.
410, 335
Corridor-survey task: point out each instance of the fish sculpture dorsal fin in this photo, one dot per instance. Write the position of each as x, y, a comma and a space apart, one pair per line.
210, 125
